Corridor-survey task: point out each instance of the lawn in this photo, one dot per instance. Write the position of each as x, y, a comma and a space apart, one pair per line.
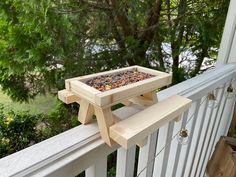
41, 104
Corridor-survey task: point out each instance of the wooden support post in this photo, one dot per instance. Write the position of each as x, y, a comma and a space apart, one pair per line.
142, 143
105, 120
86, 112
126, 102
147, 99
152, 96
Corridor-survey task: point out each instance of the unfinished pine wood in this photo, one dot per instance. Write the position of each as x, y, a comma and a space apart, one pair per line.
115, 96
78, 86
142, 143
86, 112
139, 126
116, 118
86, 77
68, 97
93, 100
82, 79
151, 71
126, 102
152, 96
83, 90
105, 120
140, 100
146, 99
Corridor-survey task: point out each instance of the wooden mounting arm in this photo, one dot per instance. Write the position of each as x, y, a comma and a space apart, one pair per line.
136, 128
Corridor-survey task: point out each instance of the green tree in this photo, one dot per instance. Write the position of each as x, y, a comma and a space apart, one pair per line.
89, 36
35, 39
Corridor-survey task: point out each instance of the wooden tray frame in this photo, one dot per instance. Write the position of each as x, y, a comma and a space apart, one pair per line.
78, 86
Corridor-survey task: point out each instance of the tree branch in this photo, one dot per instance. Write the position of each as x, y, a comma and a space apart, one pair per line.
176, 42
118, 37
152, 20
122, 18
95, 5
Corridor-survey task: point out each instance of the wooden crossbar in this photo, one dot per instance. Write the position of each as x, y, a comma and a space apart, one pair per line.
137, 127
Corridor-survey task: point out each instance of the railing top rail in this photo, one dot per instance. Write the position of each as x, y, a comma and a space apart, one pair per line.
58, 154
198, 86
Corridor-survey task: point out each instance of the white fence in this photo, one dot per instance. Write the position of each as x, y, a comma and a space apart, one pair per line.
81, 148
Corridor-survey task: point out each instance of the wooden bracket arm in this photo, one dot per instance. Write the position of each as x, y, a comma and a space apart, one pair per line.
136, 128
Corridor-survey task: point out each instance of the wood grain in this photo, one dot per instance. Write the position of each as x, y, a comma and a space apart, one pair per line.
139, 126
68, 97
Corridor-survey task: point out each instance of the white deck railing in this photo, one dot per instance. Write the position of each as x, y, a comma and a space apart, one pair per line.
81, 148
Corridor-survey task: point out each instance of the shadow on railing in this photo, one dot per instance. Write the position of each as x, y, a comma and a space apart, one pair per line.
81, 148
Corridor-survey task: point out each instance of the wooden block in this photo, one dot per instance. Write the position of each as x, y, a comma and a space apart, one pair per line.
126, 102
86, 112
140, 100
142, 142
146, 99
105, 120
137, 127
68, 97
152, 96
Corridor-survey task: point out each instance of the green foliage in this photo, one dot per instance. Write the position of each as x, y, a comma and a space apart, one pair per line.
61, 119
19, 130
42, 43
41, 104
111, 172
35, 38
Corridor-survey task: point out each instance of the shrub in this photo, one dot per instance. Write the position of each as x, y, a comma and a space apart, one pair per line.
19, 130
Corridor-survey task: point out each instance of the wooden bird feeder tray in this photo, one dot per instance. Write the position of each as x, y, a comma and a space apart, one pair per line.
96, 102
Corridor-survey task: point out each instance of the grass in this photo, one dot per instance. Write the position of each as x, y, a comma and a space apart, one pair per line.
41, 104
